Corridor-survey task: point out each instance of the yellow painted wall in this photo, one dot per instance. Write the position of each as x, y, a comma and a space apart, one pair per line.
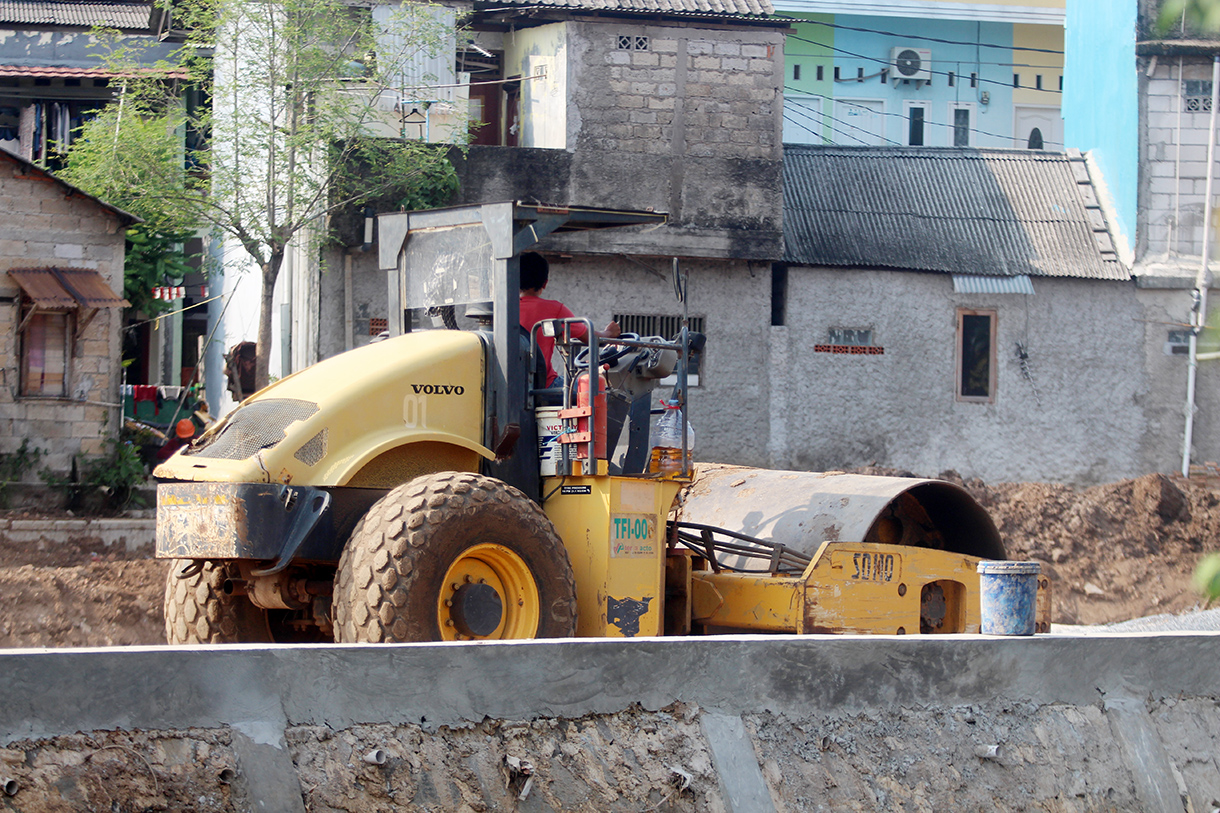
1032, 63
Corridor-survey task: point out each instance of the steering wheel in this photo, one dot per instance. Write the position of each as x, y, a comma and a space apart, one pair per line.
607, 353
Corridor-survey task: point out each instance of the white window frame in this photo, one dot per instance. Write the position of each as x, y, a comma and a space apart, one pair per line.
951, 123
844, 131
815, 130
907, 106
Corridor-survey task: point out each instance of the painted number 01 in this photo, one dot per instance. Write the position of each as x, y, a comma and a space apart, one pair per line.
415, 411
874, 567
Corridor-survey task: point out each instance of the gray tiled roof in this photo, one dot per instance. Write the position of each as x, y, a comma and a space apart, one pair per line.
733, 8
953, 210
75, 13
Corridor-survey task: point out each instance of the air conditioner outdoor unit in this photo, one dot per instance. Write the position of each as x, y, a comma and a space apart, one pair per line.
911, 63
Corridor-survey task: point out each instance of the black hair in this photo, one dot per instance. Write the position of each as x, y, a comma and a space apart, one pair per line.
534, 271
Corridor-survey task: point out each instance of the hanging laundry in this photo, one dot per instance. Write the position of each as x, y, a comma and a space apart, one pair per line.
144, 392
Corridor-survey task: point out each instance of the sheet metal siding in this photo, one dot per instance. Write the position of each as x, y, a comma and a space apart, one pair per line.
994, 212
42, 12
972, 284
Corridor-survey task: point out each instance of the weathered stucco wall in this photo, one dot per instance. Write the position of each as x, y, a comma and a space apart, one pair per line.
728, 408
1077, 410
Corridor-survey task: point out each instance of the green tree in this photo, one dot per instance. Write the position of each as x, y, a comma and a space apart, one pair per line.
1199, 15
301, 94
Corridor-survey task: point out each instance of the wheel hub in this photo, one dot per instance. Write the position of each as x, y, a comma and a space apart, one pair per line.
477, 609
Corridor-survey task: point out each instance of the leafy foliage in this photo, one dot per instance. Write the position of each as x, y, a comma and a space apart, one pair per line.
296, 89
1198, 15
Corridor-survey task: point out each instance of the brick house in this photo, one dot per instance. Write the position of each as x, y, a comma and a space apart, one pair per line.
61, 258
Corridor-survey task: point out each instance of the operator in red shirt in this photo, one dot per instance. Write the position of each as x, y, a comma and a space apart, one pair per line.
535, 271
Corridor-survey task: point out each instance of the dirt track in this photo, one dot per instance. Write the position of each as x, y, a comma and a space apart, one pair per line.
1113, 552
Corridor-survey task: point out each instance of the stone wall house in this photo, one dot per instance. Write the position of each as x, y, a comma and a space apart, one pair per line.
61, 266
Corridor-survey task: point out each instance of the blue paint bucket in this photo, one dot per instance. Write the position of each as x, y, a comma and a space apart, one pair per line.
1008, 597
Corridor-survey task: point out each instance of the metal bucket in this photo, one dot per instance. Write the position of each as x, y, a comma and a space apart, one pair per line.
1008, 597
550, 427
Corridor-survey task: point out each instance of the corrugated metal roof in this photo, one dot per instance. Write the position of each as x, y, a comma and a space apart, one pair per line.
76, 13
731, 8
976, 284
66, 288
955, 210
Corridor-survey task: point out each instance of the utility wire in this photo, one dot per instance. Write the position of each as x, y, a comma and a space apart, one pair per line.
918, 37
935, 73
809, 117
798, 92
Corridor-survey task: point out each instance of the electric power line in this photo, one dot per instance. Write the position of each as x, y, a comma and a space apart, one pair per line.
936, 73
918, 37
900, 116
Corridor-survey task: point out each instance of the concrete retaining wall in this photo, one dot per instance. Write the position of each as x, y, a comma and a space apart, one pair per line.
131, 534
1109, 722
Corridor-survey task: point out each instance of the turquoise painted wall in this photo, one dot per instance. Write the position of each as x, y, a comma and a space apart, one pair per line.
861, 45
1101, 97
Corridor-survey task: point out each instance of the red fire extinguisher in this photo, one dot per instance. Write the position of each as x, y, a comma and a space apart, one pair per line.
599, 415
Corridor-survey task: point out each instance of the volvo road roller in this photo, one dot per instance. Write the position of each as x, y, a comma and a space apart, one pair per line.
403, 491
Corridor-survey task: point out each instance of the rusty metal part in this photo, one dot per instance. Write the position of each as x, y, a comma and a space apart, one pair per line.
279, 591
801, 510
268, 522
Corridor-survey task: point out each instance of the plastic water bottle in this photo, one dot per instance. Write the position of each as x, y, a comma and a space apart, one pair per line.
667, 441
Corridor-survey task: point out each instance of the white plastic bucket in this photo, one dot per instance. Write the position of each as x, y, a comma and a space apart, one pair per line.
550, 427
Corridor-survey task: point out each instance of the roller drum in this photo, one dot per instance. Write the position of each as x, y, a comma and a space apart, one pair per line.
801, 510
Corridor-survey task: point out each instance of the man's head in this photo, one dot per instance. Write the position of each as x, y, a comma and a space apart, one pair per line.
534, 271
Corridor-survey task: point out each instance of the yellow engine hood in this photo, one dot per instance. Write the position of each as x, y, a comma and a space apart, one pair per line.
322, 425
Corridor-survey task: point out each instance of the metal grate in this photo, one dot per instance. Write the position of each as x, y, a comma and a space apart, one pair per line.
1197, 95
252, 427
667, 327
314, 449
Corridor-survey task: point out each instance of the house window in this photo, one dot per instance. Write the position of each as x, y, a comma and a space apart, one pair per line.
1178, 343
629, 42
1197, 95
916, 119
976, 361
959, 114
668, 328
44, 354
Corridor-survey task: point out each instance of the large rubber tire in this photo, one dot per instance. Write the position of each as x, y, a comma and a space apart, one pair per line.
424, 539
197, 611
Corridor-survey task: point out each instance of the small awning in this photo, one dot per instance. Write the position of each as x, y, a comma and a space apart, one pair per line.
980, 284
66, 288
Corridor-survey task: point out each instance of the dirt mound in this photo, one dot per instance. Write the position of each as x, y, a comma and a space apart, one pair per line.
1113, 552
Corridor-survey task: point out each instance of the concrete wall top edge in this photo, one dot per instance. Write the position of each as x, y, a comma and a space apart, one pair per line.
48, 693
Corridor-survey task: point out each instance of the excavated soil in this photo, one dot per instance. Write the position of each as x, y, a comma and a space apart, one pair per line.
1113, 552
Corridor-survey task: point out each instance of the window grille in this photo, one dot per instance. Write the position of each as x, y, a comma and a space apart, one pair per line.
667, 327
1197, 95
631, 42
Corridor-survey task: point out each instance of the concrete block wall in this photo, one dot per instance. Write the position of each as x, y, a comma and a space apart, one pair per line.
44, 226
1173, 148
700, 92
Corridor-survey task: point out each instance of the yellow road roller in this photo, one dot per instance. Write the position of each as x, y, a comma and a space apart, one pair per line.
404, 491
